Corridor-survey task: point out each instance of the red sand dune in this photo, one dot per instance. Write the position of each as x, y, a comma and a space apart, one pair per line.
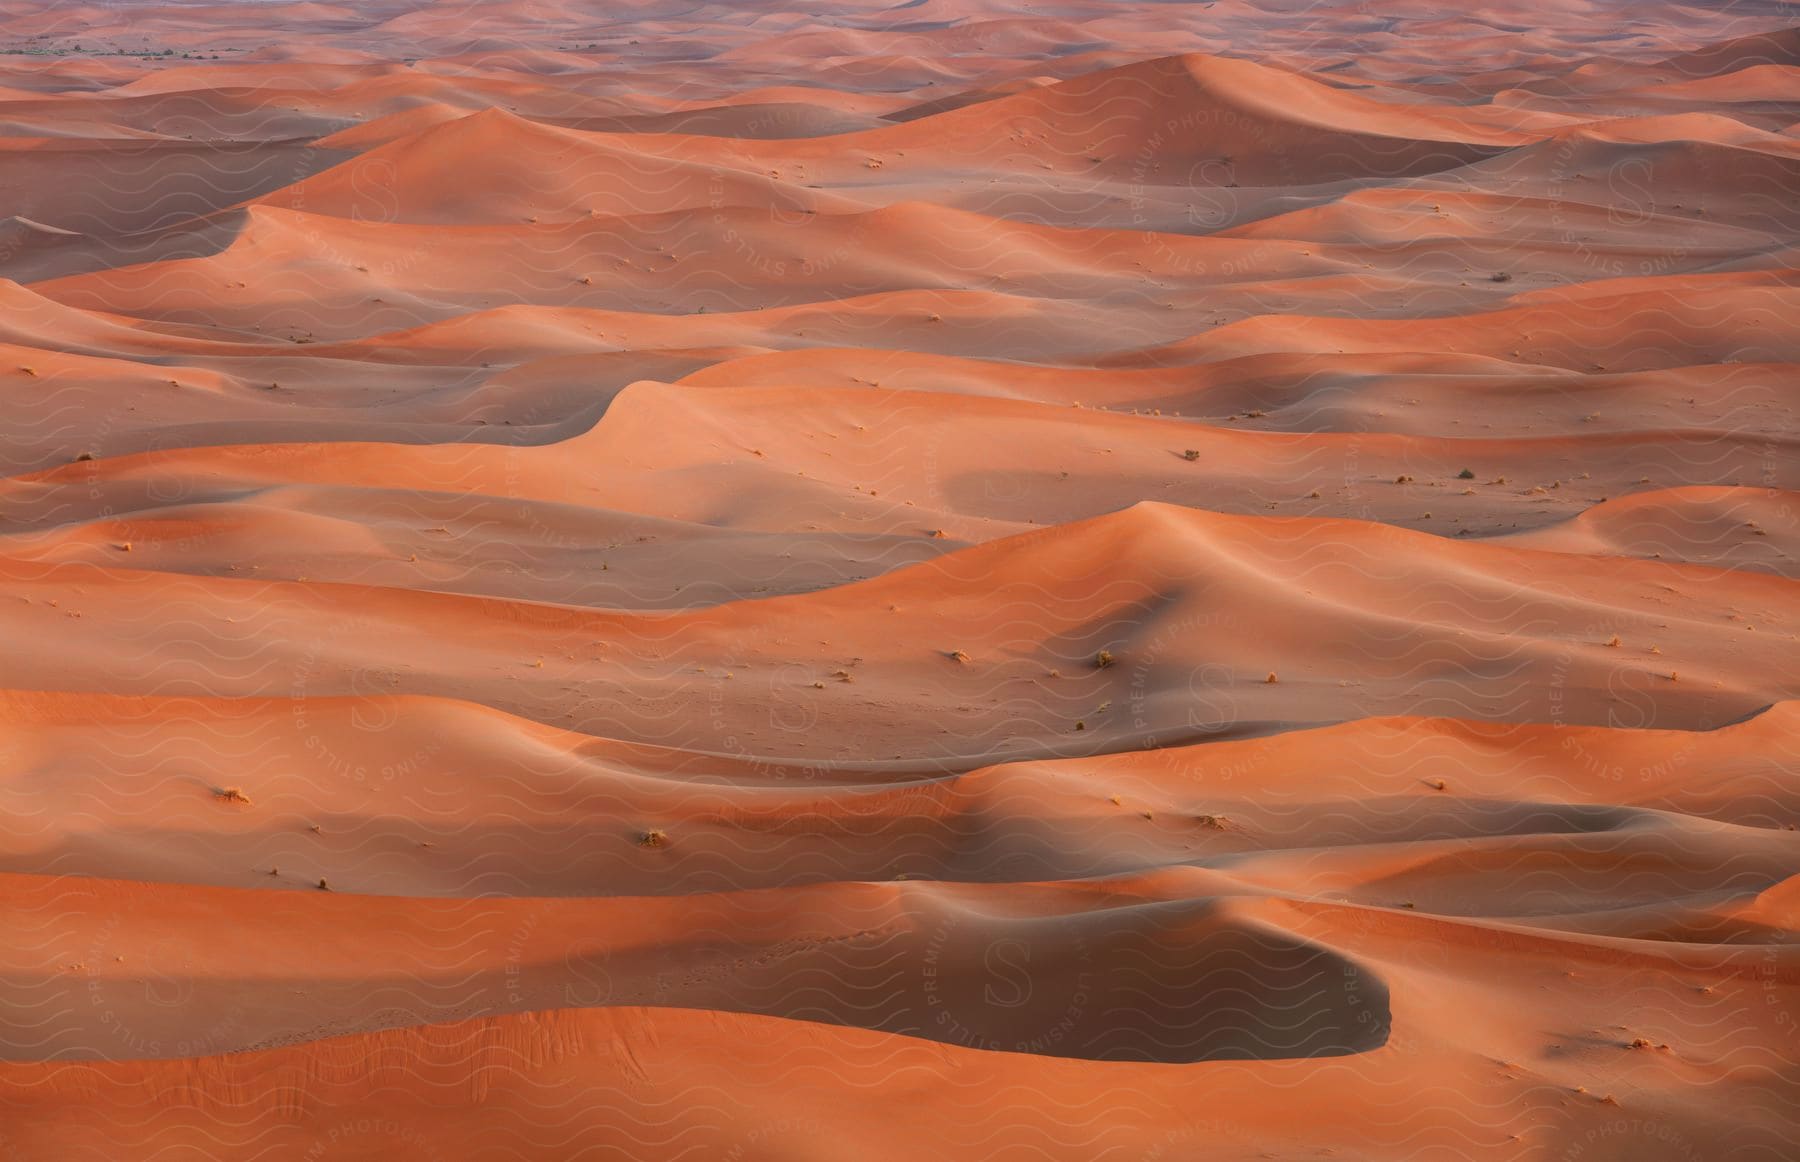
942, 580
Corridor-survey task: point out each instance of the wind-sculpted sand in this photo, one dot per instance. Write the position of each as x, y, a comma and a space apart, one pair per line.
1083, 582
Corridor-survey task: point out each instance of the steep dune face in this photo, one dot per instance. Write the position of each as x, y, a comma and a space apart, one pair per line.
1122, 581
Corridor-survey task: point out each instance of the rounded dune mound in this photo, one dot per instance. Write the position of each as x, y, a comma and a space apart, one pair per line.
555, 175
377, 131
1780, 47
1592, 330
758, 121
79, 188
1127, 979
969, 97
1635, 177
1734, 528
1207, 120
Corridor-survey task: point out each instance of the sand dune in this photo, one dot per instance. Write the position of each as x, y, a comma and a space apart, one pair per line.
565, 175
933, 580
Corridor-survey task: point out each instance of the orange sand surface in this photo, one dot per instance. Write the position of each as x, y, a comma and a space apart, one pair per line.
952, 580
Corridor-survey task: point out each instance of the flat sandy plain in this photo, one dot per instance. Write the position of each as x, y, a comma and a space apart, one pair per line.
950, 581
